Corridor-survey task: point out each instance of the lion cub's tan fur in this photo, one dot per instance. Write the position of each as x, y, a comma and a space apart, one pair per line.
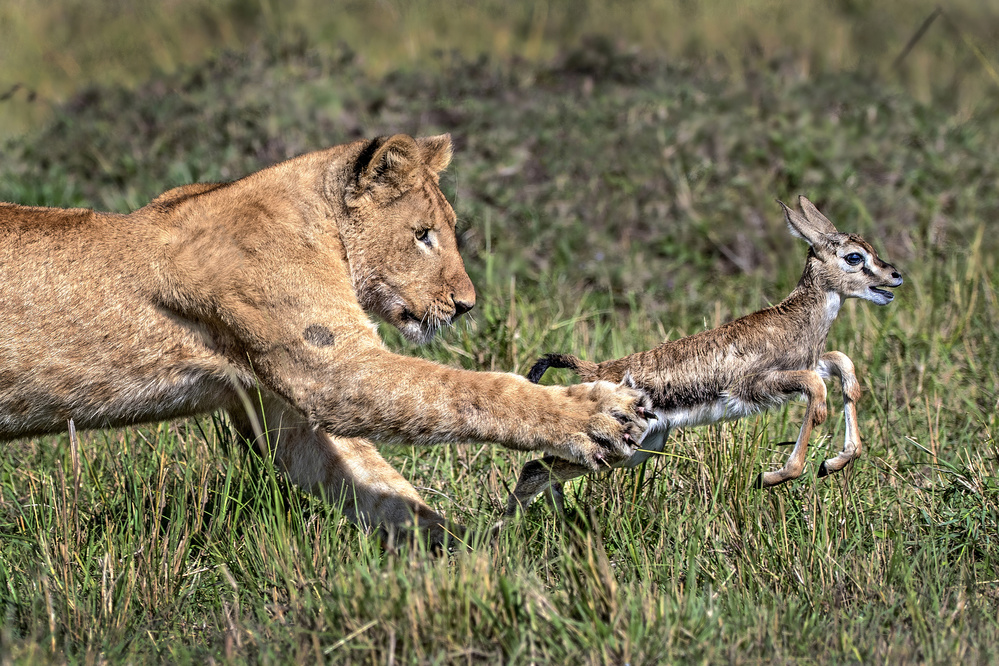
745, 366
215, 291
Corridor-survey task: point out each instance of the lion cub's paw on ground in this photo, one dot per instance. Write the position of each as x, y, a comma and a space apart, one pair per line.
618, 416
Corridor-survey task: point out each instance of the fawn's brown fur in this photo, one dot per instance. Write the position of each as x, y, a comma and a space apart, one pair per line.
751, 364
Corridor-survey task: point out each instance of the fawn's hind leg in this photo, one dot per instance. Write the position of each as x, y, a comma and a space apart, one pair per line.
537, 476
787, 383
348, 472
549, 473
839, 364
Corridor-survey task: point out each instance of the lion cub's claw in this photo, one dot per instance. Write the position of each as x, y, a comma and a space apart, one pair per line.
617, 426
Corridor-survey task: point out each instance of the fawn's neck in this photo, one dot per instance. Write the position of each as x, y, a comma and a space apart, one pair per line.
813, 304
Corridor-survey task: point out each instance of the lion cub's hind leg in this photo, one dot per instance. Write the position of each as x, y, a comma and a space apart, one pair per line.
348, 472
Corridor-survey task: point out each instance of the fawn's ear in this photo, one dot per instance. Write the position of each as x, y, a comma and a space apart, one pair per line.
811, 226
812, 214
384, 170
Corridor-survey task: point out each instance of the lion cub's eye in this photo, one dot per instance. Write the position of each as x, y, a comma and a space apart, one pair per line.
854, 258
423, 235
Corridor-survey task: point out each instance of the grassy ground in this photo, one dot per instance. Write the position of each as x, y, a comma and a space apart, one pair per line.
608, 199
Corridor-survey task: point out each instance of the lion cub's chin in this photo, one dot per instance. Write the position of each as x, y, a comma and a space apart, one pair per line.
417, 334
416, 331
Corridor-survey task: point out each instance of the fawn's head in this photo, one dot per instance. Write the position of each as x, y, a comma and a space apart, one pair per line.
846, 263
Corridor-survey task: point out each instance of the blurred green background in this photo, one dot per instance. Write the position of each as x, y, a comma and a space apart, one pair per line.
615, 173
53, 49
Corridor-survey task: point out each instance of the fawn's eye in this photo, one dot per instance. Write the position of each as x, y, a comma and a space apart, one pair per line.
854, 258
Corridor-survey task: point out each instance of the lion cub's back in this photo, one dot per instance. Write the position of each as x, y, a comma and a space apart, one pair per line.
80, 335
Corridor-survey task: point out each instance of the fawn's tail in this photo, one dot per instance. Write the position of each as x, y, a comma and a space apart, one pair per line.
585, 369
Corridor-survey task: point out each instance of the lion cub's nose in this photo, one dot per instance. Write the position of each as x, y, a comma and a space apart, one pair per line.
462, 306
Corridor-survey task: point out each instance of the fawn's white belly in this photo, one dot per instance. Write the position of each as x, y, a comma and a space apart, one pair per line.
653, 441
726, 408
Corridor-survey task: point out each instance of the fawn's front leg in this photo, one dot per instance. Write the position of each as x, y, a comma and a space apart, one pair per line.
786, 383
839, 364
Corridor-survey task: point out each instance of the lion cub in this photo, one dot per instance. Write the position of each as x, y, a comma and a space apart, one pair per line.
214, 292
748, 365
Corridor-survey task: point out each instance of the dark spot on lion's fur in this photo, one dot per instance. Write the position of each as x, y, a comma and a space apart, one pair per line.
470, 410
317, 335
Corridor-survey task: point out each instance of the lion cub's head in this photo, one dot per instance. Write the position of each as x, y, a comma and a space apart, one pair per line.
400, 240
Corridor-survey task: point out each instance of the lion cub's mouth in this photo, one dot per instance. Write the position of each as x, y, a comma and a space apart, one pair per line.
428, 321
409, 316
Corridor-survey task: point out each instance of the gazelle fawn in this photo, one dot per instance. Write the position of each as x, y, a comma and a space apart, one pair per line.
748, 365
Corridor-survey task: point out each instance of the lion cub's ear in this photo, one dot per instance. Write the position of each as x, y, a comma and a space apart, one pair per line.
436, 151
384, 170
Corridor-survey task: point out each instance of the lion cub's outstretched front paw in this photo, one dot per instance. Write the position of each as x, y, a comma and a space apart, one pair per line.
617, 417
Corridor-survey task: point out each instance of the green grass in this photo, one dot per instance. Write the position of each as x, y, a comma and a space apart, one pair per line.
607, 199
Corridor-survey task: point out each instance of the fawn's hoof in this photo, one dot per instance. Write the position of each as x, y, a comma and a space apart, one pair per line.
823, 470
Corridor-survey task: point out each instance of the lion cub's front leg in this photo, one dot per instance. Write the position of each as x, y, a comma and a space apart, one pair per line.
382, 395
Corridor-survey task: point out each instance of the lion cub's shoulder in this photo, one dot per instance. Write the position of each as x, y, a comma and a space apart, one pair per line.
178, 195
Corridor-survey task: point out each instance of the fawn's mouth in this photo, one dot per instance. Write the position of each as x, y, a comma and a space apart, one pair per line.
883, 293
